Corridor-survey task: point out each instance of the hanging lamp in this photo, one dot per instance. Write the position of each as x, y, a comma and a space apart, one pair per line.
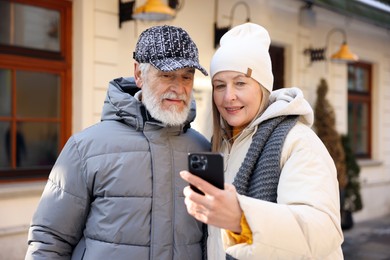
154, 10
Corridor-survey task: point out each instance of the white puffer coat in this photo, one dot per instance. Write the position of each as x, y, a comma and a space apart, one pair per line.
305, 221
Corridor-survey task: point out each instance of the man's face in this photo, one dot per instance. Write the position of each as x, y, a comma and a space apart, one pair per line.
167, 95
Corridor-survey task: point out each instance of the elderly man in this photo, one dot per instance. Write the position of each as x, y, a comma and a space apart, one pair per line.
115, 190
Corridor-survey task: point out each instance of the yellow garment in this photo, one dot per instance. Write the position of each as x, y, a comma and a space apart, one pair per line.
246, 234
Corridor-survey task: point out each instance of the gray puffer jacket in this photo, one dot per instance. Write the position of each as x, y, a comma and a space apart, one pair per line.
115, 191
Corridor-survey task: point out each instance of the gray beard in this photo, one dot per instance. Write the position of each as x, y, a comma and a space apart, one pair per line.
153, 104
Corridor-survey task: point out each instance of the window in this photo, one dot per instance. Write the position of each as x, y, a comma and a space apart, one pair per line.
277, 58
35, 86
359, 108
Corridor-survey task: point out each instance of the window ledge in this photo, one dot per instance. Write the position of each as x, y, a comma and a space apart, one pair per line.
15, 190
14, 230
369, 163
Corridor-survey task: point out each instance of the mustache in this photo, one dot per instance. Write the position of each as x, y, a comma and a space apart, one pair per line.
172, 95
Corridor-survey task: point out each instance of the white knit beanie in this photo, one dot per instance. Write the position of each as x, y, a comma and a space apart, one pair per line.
244, 48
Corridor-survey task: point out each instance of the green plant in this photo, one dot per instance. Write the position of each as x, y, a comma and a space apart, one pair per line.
352, 197
325, 126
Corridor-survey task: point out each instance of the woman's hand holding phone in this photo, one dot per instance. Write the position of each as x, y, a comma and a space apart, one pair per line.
214, 206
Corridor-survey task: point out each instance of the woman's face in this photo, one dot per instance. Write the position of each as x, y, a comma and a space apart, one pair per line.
237, 97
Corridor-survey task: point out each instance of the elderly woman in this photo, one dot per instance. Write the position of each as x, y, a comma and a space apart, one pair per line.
281, 197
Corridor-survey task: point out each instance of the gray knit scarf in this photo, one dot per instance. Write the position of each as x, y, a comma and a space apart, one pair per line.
258, 176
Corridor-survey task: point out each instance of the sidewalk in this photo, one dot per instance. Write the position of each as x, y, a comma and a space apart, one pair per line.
368, 240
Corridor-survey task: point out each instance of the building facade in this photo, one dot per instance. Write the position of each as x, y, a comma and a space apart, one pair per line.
98, 48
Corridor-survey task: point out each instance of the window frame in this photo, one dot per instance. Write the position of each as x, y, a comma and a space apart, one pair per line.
19, 58
361, 98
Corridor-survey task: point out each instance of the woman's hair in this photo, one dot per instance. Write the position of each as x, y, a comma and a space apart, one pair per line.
221, 128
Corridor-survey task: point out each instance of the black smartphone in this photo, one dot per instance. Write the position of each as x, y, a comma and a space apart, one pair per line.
208, 166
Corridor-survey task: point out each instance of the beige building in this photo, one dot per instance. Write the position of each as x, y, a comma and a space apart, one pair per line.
98, 49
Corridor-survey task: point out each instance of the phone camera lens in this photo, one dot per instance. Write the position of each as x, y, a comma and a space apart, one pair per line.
198, 162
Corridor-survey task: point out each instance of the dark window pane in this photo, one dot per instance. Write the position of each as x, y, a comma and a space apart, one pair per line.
37, 94
5, 28
277, 58
21, 153
352, 124
362, 145
5, 92
358, 126
351, 77
38, 144
358, 79
29, 26
5, 145
361, 80
350, 116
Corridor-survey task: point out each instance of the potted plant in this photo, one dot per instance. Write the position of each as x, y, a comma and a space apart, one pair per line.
352, 200
340, 150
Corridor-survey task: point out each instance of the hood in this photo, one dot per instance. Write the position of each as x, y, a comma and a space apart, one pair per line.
121, 105
287, 101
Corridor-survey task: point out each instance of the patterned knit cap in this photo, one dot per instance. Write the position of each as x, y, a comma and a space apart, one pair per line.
167, 48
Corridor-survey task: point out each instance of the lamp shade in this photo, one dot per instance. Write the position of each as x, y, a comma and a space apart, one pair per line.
154, 10
344, 54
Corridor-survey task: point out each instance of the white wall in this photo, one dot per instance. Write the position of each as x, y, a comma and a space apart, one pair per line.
103, 51
17, 204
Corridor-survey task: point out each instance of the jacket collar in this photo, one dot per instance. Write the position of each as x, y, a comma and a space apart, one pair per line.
122, 105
